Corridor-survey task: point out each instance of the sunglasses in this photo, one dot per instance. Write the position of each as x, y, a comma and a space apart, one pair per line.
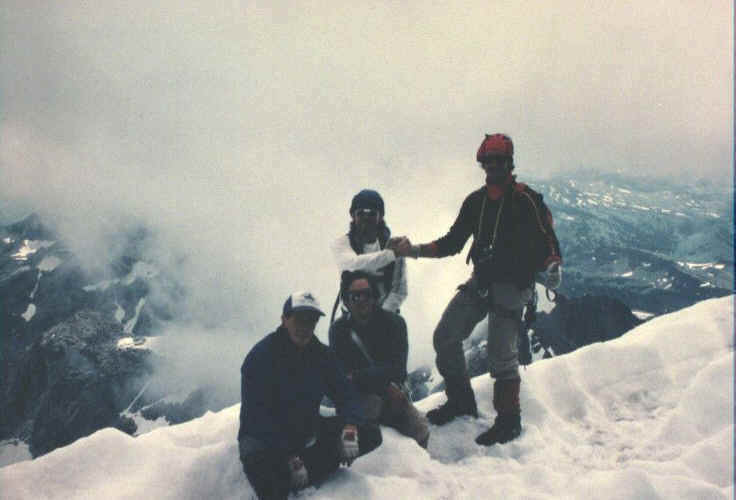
366, 212
494, 162
360, 295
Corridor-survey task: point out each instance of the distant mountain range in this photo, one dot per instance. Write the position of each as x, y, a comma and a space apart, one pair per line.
650, 243
75, 345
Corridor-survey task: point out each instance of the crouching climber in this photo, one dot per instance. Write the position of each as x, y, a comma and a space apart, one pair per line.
372, 345
285, 444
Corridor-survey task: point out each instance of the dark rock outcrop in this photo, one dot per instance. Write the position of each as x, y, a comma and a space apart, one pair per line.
73, 381
573, 323
417, 382
581, 321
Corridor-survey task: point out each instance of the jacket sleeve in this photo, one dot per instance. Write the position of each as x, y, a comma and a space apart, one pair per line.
347, 260
549, 234
544, 224
399, 289
259, 407
455, 239
341, 391
376, 378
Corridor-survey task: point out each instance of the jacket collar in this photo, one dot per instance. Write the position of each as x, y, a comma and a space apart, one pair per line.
287, 347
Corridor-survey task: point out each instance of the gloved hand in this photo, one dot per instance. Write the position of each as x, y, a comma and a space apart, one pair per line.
349, 444
553, 275
299, 474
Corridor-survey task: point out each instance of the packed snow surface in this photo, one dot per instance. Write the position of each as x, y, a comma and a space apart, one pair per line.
706, 265
12, 451
30, 312
138, 343
119, 313
130, 324
101, 286
642, 314
648, 415
30, 247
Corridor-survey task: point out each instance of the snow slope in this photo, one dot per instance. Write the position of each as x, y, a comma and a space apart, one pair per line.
648, 415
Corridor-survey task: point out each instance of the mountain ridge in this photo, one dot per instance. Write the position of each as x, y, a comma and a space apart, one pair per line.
43, 284
647, 415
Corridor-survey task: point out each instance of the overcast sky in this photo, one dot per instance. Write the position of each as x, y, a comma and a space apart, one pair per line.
240, 131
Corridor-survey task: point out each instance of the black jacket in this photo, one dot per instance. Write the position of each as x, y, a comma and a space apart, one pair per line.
525, 240
385, 339
281, 391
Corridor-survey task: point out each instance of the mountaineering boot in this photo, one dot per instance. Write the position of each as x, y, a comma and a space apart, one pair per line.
460, 401
507, 425
447, 412
505, 428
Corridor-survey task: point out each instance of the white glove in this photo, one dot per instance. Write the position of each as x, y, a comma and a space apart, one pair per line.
349, 441
299, 474
553, 276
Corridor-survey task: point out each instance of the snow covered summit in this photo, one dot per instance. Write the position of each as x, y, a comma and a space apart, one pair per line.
648, 415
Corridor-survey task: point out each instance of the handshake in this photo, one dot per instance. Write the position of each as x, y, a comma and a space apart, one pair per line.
401, 246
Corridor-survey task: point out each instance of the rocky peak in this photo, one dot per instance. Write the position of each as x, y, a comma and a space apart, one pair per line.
71, 382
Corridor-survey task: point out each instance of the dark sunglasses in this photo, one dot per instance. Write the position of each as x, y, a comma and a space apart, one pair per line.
494, 162
360, 295
366, 212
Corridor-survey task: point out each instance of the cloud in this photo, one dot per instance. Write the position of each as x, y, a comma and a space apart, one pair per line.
239, 132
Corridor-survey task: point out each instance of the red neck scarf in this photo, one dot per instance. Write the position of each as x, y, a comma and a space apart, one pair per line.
496, 191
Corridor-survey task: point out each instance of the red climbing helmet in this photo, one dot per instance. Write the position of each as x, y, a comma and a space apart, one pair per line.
495, 145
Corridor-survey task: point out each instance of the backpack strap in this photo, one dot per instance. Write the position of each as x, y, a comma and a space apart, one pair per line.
480, 227
404, 386
356, 339
334, 308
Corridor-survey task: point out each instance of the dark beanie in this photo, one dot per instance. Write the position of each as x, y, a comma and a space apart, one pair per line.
367, 198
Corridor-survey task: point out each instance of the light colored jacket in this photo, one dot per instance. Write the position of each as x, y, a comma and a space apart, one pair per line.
372, 260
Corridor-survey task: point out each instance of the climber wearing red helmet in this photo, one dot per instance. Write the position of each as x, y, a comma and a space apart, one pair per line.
513, 240
496, 157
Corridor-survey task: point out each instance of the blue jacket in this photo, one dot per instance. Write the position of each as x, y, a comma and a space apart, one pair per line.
282, 388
